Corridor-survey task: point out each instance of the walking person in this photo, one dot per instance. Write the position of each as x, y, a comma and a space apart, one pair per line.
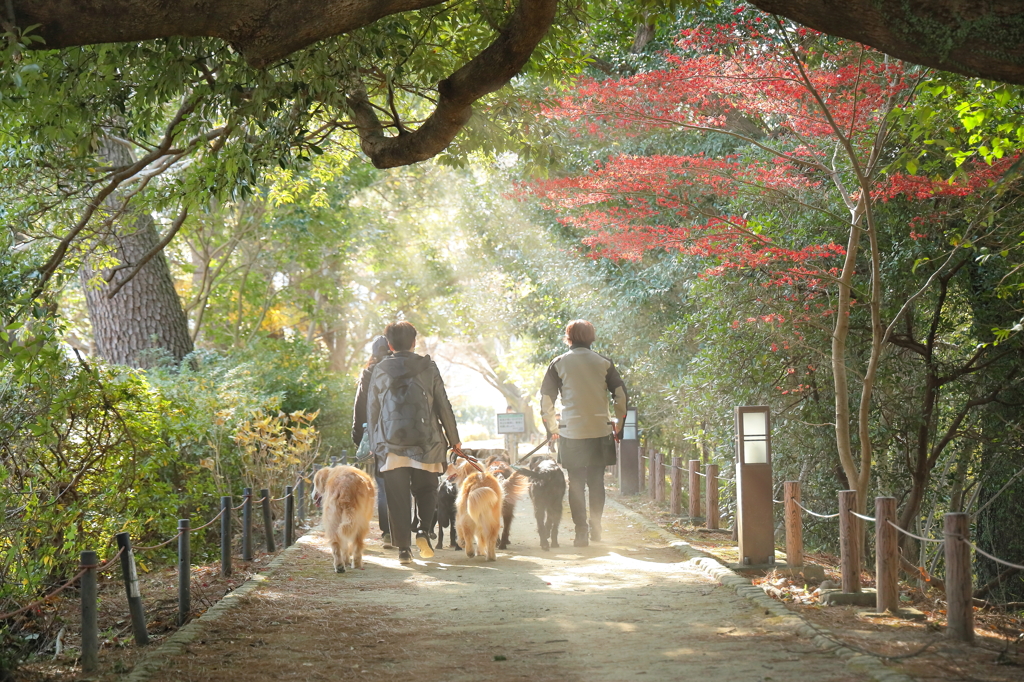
411, 426
378, 351
585, 433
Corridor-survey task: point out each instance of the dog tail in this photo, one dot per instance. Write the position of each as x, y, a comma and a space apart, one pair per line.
515, 487
479, 499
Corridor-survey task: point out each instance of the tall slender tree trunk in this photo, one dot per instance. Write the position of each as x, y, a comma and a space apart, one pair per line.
145, 317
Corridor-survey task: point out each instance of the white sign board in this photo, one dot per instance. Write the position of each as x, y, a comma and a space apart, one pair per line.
511, 422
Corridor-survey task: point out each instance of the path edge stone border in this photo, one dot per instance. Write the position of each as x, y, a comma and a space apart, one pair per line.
154, 661
821, 637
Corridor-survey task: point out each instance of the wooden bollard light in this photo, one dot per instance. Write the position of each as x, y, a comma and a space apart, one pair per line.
754, 518
629, 455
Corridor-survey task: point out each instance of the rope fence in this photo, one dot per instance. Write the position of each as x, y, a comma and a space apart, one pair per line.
89, 566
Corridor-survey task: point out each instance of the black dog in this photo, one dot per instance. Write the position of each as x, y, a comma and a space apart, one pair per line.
547, 490
445, 516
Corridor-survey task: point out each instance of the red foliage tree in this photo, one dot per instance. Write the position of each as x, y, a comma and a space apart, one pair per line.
810, 117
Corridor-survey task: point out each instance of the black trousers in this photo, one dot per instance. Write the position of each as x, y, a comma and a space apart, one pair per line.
591, 477
398, 483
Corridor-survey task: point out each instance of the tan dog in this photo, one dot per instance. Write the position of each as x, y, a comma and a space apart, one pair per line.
348, 496
478, 509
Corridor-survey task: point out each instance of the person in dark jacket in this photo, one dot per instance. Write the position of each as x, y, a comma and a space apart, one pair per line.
412, 426
585, 433
378, 351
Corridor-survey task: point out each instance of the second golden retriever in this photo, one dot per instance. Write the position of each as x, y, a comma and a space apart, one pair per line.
478, 507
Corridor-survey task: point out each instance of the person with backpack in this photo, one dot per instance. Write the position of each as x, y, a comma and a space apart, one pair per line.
585, 432
411, 426
378, 351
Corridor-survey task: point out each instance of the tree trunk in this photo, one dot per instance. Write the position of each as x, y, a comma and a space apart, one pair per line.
144, 320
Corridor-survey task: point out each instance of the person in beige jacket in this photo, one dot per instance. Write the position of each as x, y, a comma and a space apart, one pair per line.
586, 434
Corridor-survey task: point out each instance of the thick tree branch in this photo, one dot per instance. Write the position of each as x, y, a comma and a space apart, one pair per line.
964, 36
482, 75
263, 31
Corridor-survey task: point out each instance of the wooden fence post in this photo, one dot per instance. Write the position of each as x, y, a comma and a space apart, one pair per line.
849, 541
90, 629
225, 535
184, 572
642, 474
131, 589
694, 490
794, 524
711, 494
289, 516
659, 478
887, 558
247, 524
652, 474
268, 521
959, 602
676, 476
300, 498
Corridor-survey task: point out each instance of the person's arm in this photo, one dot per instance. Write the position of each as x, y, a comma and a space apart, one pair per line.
359, 408
372, 403
619, 398
549, 389
443, 410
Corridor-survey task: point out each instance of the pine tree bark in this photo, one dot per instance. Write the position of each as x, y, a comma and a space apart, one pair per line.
143, 323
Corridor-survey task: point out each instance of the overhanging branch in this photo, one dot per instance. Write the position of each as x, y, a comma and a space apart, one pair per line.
482, 75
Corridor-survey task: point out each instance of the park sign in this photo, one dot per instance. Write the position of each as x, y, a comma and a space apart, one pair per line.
511, 422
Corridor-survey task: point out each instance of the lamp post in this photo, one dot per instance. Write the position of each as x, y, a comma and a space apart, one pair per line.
754, 516
629, 455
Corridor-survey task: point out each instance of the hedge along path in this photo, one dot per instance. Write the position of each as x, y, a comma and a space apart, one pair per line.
630, 606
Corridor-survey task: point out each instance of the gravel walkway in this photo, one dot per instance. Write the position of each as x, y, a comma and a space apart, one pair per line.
629, 608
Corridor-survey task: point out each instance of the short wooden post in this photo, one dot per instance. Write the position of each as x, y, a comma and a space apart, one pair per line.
225, 535
887, 557
334, 461
794, 524
289, 516
300, 499
642, 475
184, 572
131, 589
652, 474
849, 541
694, 488
711, 493
676, 476
268, 521
659, 477
247, 524
959, 593
90, 628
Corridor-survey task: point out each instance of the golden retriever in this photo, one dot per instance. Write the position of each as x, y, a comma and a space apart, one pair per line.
478, 509
348, 496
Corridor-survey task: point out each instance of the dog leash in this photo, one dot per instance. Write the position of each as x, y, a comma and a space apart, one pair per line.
469, 458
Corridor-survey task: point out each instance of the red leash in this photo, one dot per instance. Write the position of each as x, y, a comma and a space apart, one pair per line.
469, 458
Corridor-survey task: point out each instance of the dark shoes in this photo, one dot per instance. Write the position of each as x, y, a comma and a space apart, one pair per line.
595, 531
423, 545
404, 557
387, 541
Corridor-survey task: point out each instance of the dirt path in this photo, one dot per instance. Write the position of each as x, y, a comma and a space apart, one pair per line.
628, 608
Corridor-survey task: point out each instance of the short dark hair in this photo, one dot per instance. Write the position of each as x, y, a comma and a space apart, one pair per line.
580, 333
401, 335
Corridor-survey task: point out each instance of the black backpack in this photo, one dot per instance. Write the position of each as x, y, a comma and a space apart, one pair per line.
405, 412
